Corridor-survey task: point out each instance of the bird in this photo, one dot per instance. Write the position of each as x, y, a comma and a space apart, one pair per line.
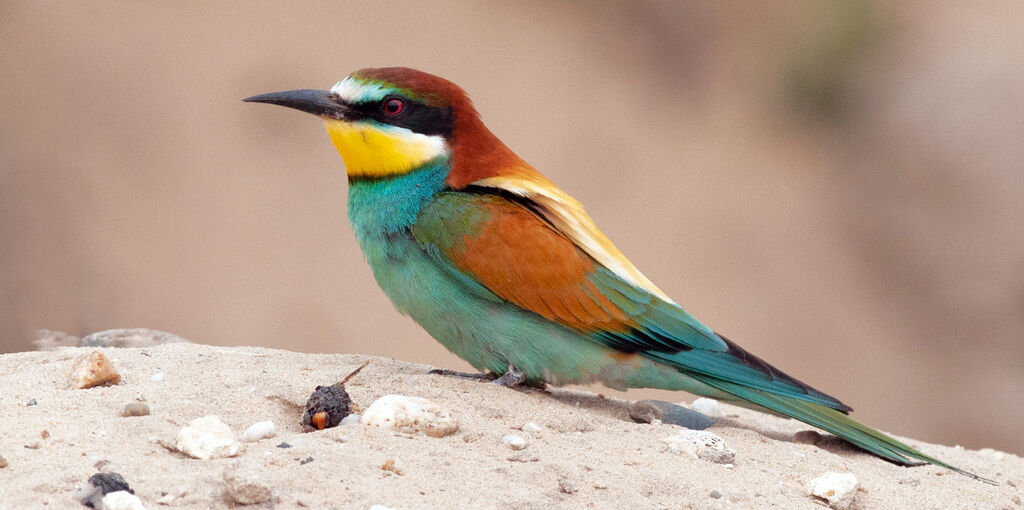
509, 273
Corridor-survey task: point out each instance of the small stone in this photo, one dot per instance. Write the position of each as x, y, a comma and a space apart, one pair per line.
45, 434
389, 465
3, 462
157, 377
257, 431
807, 437
122, 500
135, 409
567, 487
305, 461
646, 411
532, 428
110, 482
380, 507
410, 414
206, 438
31, 402
700, 444
32, 445
246, 485
707, 407
93, 369
514, 441
326, 407
98, 486
284, 445
715, 494
836, 489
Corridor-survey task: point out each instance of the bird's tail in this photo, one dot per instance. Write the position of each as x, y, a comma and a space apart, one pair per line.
839, 424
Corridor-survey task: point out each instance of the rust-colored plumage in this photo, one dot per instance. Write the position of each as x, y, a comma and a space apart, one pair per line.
477, 153
541, 270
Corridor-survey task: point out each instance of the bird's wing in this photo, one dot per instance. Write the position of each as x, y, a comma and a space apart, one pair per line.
527, 242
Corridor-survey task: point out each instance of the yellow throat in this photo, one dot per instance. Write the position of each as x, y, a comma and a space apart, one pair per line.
378, 150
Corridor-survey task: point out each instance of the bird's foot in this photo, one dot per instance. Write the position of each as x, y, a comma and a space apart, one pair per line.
465, 375
512, 378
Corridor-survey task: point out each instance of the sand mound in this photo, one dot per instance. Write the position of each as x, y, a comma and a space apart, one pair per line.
570, 449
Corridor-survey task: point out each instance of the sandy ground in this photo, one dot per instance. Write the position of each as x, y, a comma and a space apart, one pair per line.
587, 453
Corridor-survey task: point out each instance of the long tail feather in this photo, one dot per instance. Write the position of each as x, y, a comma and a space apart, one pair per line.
839, 424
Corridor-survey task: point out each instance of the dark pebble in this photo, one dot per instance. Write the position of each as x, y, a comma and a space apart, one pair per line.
284, 445
31, 402
326, 407
109, 482
715, 494
646, 411
100, 484
305, 461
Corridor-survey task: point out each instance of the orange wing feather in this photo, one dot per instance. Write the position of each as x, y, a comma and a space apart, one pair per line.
521, 258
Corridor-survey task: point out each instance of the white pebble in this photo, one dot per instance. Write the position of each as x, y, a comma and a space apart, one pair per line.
532, 428
352, 418
838, 489
700, 444
257, 431
157, 377
122, 500
514, 441
206, 438
410, 414
380, 507
707, 407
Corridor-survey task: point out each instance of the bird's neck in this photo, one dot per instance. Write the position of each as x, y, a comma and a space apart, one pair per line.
385, 206
479, 154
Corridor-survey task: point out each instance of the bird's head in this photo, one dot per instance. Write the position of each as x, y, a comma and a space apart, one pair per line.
390, 121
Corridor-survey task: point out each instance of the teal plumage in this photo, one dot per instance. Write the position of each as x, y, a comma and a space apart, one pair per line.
507, 271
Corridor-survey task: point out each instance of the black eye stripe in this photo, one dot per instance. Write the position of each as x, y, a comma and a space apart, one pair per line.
415, 116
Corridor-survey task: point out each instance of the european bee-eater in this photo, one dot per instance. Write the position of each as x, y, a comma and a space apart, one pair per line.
508, 272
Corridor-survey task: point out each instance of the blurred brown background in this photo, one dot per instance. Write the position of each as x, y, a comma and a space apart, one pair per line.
838, 186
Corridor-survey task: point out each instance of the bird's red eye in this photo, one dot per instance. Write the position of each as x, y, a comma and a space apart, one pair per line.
393, 106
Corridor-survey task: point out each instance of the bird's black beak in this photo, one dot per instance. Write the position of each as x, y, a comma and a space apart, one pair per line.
321, 103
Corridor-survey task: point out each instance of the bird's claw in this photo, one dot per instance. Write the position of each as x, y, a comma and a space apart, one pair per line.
511, 378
